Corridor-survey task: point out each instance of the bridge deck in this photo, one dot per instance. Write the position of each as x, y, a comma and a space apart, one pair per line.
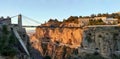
49, 27
72, 27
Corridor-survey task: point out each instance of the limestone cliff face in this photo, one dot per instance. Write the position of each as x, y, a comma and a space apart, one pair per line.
51, 40
69, 36
60, 39
104, 39
72, 36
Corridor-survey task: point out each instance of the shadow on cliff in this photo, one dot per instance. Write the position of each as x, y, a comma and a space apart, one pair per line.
35, 54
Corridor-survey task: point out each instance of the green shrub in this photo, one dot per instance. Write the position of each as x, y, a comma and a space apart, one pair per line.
5, 30
96, 22
8, 51
7, 41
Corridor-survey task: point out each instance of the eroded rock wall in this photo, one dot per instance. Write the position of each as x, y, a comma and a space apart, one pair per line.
104, 39
72, 36
69, 36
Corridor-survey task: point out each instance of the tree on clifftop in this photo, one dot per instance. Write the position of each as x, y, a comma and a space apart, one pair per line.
73, 19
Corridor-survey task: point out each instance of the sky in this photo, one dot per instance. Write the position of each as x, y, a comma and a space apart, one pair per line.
43, 10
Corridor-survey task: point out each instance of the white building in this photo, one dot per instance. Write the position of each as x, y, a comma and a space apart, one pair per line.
107, 20
111, 21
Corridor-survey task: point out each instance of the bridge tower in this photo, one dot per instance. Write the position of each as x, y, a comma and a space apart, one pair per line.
20, 21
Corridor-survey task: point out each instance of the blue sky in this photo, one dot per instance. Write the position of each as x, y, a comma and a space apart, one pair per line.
43, 10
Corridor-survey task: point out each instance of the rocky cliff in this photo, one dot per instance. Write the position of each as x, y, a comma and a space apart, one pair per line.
62, 36
104, 39
59, 39
70, 39
72, 36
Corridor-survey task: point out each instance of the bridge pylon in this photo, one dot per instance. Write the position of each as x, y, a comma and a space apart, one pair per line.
20, 21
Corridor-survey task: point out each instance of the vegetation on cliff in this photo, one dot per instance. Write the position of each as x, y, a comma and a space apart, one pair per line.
96, 22
7, 41
73, 19
77, 20
113, 15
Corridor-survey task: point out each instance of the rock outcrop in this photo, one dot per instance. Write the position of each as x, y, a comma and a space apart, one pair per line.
104, 39
72, 36
57, 39
61, 36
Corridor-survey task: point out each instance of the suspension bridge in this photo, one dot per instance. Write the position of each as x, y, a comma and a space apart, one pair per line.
27, 22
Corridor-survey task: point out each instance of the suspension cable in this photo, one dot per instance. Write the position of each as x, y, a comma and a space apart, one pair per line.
14, 16
31, 19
